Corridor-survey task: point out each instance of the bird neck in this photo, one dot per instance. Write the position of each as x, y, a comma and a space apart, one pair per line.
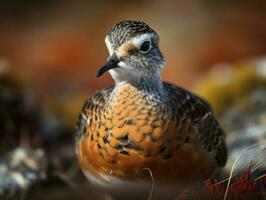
150, 84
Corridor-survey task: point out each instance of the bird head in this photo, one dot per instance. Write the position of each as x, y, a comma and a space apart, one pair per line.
134, 52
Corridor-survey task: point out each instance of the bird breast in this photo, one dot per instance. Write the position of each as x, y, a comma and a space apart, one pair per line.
134, 133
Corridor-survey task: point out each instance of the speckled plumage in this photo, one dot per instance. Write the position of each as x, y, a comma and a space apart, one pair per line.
144, 123
129, 130
125, 30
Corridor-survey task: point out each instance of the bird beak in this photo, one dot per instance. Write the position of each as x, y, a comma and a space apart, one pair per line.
111, 64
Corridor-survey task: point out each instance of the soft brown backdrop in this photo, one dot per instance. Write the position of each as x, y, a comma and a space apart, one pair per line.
58, 45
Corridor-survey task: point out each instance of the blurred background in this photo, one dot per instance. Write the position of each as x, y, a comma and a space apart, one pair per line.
51, 50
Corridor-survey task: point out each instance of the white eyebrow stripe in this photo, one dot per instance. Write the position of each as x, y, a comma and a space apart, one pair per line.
138, 40
108, 45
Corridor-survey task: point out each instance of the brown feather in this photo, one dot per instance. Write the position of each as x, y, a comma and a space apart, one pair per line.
128, 132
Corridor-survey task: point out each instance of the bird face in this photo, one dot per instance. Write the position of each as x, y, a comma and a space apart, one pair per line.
134, 52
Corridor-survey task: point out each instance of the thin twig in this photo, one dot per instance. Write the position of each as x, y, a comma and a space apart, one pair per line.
260, 177
230, 176
263, 175
226, 179
258, 164
152, 186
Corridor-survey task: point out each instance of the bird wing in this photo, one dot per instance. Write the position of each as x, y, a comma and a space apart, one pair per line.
191, 108
91, 109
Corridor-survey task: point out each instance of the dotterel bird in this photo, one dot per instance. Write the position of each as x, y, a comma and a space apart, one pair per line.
143, 126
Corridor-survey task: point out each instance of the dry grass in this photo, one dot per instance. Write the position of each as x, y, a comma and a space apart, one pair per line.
248, 184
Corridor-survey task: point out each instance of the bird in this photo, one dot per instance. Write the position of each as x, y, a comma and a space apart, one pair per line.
143, 137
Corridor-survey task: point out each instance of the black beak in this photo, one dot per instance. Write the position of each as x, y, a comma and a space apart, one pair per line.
111, 64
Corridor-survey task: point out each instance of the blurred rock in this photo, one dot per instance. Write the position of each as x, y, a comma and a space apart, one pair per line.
19, 170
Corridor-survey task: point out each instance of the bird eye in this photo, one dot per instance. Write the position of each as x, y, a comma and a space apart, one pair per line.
145, 47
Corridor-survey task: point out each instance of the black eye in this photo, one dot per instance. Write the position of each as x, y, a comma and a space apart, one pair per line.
145, 47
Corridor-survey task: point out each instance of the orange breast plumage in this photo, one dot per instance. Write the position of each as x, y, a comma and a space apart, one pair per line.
124, 131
